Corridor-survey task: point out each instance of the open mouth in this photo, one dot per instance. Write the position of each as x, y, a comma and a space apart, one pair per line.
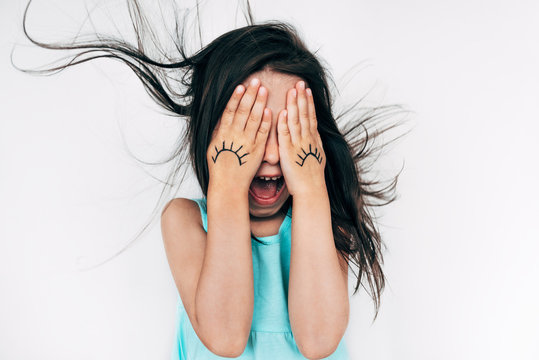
263, 188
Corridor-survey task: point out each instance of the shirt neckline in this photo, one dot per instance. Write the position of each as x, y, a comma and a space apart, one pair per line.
270, 239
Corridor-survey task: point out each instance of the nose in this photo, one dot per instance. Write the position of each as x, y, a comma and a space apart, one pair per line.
271, 154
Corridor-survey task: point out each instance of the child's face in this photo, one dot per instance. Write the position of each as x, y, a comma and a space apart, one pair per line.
277, 85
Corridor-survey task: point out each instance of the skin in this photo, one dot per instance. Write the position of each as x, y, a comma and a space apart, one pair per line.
213, 270
318, 303
318, 286
265, 219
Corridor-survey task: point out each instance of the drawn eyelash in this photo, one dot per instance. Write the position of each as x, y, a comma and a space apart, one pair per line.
232, 151
316, 155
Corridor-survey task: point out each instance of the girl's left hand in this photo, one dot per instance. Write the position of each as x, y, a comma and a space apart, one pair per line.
301, 153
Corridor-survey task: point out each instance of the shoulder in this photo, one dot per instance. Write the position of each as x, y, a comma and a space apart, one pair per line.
180, 216
184, 239
181, 210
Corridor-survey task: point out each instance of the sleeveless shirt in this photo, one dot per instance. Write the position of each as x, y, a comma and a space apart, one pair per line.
271, 335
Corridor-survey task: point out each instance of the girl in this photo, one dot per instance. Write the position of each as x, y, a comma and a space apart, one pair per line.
261, 260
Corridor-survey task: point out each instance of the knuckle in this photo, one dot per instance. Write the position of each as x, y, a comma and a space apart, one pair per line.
242, 111
256, 113
252, 118
263, 130
228, 111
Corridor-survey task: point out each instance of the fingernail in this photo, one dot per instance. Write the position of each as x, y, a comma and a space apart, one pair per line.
239, 89
285, 112
302, 85
254, 82
294, 93
262, 90
309, 92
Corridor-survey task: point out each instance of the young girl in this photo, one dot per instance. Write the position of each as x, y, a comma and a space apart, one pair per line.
285, 296
261, 260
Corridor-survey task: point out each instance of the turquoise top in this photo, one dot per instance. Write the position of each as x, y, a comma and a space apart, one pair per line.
271, 336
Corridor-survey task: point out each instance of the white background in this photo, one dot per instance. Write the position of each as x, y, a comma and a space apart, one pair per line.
462, 262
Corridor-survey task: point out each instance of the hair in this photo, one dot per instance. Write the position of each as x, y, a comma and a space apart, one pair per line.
196, 88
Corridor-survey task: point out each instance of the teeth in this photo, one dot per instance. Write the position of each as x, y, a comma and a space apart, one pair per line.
269, 178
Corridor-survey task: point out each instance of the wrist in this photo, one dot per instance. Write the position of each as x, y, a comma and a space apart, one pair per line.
227, 188
313, 188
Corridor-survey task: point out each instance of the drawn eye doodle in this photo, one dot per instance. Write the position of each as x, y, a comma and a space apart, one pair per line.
316, 155
232, 151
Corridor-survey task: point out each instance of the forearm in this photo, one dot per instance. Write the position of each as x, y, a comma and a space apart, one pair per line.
224, 296
318, 297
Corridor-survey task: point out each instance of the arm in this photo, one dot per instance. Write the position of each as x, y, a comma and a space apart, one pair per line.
225, 293
318, 284
212, 271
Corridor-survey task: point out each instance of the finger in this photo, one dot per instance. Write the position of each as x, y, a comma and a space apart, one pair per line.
265, 127
231, 107
283, 133
246, 104
303, 110
312, 112
253, 122
292, 115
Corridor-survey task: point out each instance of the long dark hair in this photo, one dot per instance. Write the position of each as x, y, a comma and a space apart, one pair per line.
196, 89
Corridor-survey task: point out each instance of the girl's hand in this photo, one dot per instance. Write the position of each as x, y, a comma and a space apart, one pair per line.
301, 153
239, 138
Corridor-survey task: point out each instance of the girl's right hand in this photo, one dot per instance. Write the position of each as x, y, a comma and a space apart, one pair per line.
239, 139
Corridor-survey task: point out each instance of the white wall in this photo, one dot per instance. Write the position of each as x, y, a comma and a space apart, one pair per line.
462, 238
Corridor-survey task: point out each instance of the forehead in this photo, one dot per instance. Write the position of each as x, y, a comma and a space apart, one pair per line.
273, 80
277, 85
